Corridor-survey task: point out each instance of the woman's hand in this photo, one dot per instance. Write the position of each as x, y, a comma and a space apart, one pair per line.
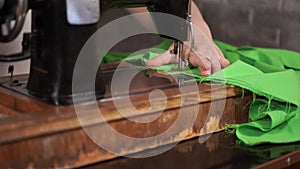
205, 55
207, 58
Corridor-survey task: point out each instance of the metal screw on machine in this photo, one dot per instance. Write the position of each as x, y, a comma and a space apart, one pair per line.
11, 69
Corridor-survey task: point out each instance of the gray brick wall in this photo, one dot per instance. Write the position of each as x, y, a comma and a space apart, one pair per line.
263, 23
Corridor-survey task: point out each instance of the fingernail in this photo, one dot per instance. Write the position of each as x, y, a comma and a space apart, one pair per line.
205, 73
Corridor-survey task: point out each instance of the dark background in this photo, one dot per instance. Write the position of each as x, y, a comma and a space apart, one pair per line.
263, 23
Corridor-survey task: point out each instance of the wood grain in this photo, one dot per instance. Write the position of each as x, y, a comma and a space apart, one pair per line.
39, 135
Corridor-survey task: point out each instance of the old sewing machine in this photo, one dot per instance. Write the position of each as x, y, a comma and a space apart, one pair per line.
39, 126
59, 31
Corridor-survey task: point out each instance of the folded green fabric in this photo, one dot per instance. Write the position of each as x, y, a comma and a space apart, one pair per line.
282, 86
272, 73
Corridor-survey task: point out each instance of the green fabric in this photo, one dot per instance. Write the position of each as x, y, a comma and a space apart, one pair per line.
272, 73
269, 85
123, 56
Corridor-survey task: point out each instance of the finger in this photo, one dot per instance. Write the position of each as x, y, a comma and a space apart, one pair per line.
164, 58
203, 64
205, 68
215, 61
215, 64
224, 62
186, 52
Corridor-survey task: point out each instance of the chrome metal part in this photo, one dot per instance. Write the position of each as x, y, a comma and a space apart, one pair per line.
83, 12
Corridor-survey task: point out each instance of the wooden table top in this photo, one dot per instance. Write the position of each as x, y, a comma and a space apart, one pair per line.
41, 135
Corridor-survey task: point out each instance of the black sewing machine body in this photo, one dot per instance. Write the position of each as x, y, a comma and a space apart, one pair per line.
60, 29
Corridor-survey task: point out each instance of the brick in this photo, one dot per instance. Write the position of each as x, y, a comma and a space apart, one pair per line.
291, 6
200, 5
240, 3
235, 15
211, 1
238, 34
290, 40
257, 4
290, 21
265, 4
267, 18
265, 23
229, 14
265, 37
214, 12
251, 16
218, 30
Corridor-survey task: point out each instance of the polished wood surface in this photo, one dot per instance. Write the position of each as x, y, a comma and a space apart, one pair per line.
218, 152
40, 135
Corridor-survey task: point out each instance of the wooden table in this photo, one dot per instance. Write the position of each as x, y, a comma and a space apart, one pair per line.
219, 151
35, 134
